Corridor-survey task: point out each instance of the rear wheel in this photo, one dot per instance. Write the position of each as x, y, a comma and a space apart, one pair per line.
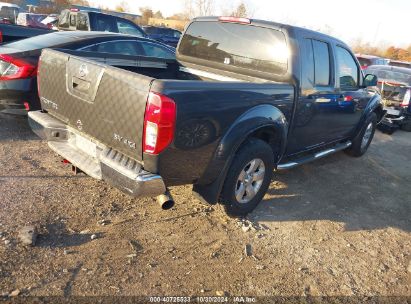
363, 139
248, 178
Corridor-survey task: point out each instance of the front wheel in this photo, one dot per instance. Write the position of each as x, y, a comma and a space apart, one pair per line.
363, 139
248, 178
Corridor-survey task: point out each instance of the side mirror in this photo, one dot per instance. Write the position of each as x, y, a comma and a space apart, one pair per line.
370, 80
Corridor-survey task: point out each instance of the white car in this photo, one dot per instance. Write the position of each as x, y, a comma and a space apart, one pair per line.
9, 11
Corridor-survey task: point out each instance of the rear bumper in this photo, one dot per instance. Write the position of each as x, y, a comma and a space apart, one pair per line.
396, 115
14, 93
103, 163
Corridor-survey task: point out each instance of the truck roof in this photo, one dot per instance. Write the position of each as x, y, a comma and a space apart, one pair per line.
275, 25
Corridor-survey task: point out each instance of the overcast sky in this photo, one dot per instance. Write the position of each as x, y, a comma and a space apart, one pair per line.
376, 21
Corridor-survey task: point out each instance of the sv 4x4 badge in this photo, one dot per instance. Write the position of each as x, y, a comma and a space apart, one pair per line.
125, 141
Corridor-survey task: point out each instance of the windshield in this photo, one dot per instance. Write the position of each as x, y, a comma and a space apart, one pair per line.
237, 45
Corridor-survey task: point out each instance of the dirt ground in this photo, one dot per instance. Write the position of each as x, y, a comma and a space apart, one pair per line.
336, 227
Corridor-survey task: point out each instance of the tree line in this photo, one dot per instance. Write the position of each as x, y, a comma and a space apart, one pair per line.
391, 52
194, 8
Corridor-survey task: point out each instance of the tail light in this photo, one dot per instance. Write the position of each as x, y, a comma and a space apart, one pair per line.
348, 98
406, 101
38, 77
26, 106
159, 123
14, 68
1, 37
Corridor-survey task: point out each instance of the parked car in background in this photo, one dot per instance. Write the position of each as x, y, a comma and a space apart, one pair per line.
76, 20
9, 12
31, 20
368, 60
398, 63
163, 34
19, 61
51, 21
229, 111
395, 88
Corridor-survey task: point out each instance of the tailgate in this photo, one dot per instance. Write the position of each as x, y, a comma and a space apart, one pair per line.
103, 102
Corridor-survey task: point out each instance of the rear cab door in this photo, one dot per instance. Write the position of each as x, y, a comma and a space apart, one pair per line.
316, 118
326, 112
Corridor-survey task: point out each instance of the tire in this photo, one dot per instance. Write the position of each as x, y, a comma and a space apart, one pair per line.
362, 141
406, 127
251, 171
386, 129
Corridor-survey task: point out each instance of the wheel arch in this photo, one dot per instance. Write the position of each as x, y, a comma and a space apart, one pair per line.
264, 122
374, 106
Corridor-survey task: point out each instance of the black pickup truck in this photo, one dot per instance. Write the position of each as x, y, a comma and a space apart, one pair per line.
244, 98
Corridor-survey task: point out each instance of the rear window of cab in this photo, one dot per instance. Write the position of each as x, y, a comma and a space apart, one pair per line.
237, 45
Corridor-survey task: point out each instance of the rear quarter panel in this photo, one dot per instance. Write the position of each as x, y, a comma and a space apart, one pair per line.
205, 113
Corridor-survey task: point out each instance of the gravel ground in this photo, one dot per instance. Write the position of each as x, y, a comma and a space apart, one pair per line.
336, 227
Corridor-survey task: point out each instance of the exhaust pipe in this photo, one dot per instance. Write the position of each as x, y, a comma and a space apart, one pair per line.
165, 200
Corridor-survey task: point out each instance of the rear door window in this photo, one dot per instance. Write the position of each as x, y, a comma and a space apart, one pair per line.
105, 23
153, 50
128, 28
307, 64
82, 22
132, 48
236, 45
347, 69
321, 63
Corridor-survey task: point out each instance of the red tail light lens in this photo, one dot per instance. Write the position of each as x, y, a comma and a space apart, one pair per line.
159, 123
14, 68
406, 100
348, 98
1, 37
